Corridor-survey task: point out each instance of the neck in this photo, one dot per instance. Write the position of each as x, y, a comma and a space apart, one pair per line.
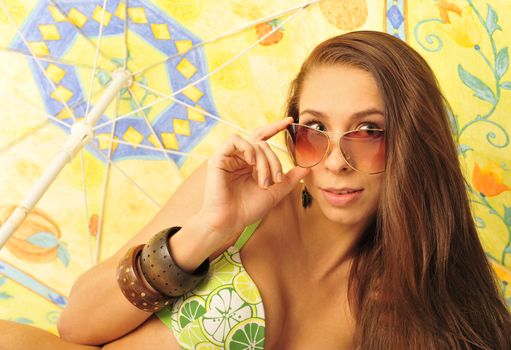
323, 245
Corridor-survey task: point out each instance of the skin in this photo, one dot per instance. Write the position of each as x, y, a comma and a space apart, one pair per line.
332, 95
299, 259
350, 90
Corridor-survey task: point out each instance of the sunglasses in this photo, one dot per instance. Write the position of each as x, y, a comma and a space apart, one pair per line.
362, 149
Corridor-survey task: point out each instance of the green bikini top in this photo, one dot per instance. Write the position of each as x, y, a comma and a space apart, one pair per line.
225, 311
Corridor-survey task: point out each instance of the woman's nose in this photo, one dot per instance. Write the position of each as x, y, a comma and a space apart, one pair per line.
334, 159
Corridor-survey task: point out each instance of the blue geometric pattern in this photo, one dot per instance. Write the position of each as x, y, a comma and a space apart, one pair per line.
395, 22
163, 123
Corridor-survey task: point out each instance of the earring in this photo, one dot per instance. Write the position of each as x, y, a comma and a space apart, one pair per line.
306, 198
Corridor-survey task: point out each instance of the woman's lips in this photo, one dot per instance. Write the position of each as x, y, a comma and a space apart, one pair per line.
341, 199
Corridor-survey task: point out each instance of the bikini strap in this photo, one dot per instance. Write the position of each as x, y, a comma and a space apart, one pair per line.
246, 234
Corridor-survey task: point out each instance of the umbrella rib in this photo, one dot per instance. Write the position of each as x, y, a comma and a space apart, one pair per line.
80, 31
261, 20
232, 59
91, 84
186, 154
229, 33
92, 95
212, 116
26, 134
98, 44
46, 115
105, 184
125, 34
146, 119
126, 175
51, 59
36, 59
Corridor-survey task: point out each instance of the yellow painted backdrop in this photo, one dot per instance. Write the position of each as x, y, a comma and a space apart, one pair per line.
466, 43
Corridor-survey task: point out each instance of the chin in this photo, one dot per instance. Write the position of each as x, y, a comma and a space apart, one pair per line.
346, 219
347, 216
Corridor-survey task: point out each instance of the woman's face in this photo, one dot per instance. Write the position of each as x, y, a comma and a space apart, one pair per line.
338, 98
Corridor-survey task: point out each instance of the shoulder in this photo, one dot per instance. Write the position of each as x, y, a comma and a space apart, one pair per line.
282, 216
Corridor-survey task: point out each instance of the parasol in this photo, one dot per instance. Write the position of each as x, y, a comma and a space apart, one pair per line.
197, 71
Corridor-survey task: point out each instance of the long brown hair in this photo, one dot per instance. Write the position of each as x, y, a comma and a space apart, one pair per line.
420, 279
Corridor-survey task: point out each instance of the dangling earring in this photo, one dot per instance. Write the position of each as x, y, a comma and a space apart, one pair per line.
306, 198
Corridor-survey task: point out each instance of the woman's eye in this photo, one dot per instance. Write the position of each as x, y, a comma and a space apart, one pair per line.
371, 130
315, 125
369, 127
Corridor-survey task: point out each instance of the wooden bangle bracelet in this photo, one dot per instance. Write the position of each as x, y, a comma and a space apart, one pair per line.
160, 270
134, 286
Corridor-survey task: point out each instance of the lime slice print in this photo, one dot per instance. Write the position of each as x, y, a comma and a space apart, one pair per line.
207, 346
169, 314
190, 335
221, 272
233, 256
191, 309
246, 288
175, 314
205, 287
259, 309
248, 334
225, 310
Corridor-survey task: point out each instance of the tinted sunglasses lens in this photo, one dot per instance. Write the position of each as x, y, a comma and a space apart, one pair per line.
309, 145
364, 150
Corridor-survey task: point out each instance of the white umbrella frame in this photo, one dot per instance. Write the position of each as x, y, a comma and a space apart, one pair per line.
82, 133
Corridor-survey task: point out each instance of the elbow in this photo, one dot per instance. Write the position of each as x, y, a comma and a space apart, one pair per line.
66, 329
71, 331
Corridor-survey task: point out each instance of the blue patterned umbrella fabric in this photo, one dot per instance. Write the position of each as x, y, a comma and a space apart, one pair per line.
198, 71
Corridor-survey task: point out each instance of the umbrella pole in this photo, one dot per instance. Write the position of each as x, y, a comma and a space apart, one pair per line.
81, 134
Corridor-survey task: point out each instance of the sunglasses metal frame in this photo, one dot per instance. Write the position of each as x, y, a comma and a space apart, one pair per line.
337, 140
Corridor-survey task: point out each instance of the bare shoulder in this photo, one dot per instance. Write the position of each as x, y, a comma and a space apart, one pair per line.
279, 217
283, 215
152, 334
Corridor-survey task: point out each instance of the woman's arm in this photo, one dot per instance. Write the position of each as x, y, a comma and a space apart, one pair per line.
25, 337
244, 181
152, 334
97, 311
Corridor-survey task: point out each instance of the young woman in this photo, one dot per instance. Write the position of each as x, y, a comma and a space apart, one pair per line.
376, 249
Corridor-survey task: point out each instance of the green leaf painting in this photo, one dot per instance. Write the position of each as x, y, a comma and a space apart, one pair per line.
481, 89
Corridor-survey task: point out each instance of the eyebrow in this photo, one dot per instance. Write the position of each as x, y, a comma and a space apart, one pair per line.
357, 115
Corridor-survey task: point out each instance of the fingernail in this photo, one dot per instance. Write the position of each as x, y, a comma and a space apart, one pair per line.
266, 183
278, 176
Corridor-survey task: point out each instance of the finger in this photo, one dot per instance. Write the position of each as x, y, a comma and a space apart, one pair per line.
237, 145
289, 181
262, 167
268, 131
273, 161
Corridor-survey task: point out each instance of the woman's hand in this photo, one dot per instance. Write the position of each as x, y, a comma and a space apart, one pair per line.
244, 181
